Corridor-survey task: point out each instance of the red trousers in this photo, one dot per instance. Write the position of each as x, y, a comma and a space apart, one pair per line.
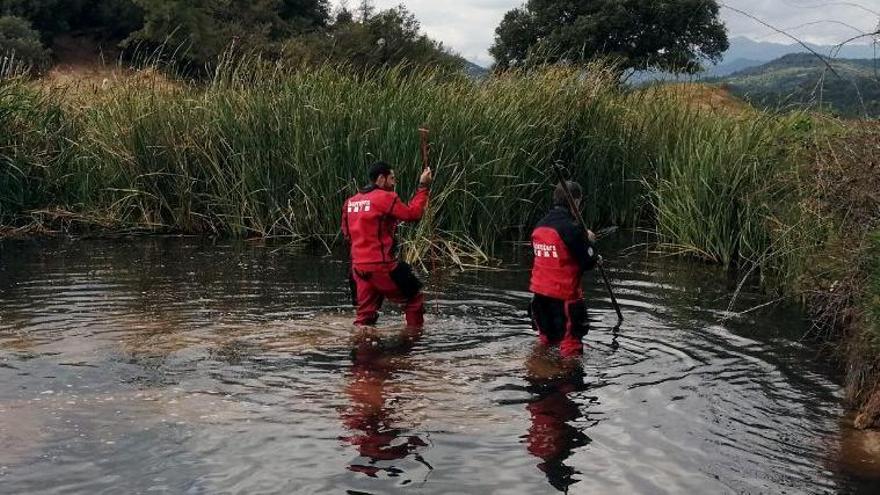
372, 287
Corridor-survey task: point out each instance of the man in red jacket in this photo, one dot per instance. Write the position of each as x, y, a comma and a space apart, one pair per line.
369, 222
563, 252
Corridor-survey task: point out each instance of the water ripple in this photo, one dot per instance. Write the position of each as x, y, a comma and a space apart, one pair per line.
178, 366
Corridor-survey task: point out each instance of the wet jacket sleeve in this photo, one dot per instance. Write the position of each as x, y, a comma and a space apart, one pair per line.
410, 212
579, 246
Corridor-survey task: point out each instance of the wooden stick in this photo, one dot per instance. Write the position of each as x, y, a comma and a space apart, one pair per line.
572, 206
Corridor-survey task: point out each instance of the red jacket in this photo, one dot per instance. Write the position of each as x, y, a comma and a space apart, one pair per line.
562, 254
369, 222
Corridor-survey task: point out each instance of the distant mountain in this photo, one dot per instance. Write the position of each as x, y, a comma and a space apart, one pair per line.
801, 80
734, 65
474, 70
713, 71
744, 53
762, 51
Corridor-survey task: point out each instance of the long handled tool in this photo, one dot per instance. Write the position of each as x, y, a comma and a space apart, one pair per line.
575, 213
423, 134
425, 146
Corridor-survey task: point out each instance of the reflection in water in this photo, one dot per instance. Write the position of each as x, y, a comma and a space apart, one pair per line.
552, 437
858, 452
377, 432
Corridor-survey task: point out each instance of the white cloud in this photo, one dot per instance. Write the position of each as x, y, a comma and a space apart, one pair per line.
468, 26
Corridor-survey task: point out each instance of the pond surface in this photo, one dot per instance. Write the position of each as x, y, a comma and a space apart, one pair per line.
182, 366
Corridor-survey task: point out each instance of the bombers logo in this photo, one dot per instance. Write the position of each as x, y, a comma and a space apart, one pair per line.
359, 206
545, 251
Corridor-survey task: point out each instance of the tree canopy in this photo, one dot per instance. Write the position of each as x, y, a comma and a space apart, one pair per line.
104, 19
20, 42
200, 30
385, 38
670, 35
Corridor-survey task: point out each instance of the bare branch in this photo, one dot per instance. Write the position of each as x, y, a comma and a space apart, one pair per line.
784, 33
855, 38
831, 4
825, 21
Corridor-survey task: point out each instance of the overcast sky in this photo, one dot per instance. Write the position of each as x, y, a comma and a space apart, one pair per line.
468, 26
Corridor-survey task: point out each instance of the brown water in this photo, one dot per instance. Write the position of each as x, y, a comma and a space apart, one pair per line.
181, 366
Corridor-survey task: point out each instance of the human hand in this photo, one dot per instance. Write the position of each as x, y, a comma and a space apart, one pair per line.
427, 177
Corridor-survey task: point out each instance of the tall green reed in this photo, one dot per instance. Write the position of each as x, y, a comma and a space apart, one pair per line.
266, 151
34, 146
715, 180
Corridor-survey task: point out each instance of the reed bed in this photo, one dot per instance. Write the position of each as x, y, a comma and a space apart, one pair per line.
265, 151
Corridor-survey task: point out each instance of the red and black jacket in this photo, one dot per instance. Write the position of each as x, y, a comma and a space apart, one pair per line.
369, 222
562, 254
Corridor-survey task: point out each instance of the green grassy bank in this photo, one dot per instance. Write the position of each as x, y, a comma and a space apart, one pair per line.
263, 151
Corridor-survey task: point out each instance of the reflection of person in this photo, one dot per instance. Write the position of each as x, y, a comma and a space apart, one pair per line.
563, 252
369, 223
370, 414
551, 436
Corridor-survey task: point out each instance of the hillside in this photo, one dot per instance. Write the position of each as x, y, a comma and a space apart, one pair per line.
474, 70
763, 51
745, 53
802, 80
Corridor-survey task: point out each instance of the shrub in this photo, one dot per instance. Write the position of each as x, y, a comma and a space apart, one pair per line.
20, 42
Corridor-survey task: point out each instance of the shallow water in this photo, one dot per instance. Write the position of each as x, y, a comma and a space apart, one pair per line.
181, 366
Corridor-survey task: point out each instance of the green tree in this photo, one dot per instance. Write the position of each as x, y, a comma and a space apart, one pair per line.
386, 38
205, 28
110, 19
20, 41
303, 15
104, 19
49, 17
671, 35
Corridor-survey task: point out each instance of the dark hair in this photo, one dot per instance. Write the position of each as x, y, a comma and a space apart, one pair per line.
379, 169
560, 198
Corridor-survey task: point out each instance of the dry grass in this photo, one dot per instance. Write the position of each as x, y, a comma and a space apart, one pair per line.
85, 69
842, 277
705, 97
